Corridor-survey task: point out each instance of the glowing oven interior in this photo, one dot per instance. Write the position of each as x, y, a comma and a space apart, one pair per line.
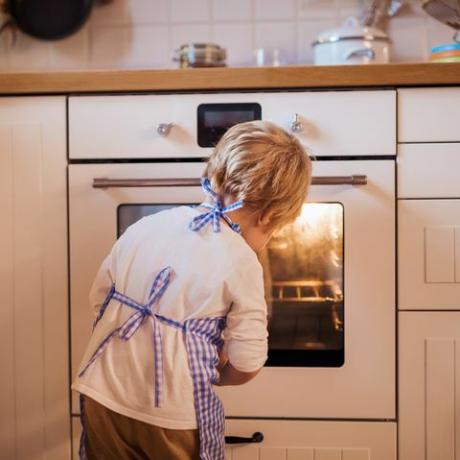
304, 278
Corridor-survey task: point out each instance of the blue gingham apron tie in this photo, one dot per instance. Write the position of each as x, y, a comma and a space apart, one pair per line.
215, 212
203, 339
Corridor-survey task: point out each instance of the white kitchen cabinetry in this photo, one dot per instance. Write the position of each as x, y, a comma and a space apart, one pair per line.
333, 122
313, 440
429, 170
304, 440
429, 254
429, 115
429, 385
34, 394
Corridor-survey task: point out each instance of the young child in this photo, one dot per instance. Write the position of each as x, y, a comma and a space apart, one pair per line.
180, 305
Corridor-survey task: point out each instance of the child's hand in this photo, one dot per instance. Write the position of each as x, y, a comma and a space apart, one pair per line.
223, 360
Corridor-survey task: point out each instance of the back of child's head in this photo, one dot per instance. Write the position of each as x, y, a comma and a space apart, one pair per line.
266, 167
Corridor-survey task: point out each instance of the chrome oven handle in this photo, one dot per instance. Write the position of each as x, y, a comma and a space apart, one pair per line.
104, 182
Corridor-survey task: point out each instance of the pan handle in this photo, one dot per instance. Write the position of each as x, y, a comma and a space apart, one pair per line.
256, 437
104, 182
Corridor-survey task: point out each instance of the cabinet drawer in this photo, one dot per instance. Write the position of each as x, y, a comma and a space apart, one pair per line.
428, 170
292, 440
428, 115
333, 122
429, 390
302, 440
429, 254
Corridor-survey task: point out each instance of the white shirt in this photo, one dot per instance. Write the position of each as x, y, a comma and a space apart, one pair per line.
214, 274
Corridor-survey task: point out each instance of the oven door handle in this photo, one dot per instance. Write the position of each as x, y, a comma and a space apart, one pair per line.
256, 437
104, 182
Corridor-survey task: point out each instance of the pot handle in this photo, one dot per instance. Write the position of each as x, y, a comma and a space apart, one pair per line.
360, 52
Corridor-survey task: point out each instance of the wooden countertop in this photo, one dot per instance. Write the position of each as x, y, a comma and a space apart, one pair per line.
414, 74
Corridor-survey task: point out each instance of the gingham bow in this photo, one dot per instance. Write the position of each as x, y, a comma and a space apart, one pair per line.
132, 324
216, 212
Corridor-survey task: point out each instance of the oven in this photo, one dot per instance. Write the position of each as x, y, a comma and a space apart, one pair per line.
329, 276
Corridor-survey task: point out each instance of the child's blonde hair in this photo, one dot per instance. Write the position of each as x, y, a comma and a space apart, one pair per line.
266, 167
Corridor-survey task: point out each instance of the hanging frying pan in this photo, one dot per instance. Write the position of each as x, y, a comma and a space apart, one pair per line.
46, 19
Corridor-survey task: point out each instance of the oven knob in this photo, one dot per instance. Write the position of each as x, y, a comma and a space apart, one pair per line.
163, 129
296, 125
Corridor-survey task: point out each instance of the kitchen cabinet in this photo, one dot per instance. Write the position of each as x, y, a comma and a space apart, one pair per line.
429, 254
429, 170
429, 385
429, 114
303, 440
34, 393
313, 440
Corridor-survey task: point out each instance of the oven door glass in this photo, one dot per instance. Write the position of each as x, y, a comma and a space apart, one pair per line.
303, 268
303, 274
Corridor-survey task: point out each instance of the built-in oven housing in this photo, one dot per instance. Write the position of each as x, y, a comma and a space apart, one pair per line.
332, 312
356, 379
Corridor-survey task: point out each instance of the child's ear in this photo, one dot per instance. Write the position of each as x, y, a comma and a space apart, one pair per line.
264, 220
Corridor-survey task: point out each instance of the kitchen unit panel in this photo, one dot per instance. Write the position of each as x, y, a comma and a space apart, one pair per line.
428, 255
428, 115
313, 440
429, 170
352, 322
429, 389
154, 126
34, 392
302, 440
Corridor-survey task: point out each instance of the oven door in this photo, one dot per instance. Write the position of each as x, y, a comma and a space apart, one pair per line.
329, 281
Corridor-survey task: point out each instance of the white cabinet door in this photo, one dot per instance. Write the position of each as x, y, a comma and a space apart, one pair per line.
429, 254
313, 440
428, 114
429, 385
34, 394
302, 440
429, 170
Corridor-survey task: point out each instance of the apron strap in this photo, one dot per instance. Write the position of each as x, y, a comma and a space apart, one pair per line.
134, 322
215, 212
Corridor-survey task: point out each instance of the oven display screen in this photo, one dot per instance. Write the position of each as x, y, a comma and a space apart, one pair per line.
215, 119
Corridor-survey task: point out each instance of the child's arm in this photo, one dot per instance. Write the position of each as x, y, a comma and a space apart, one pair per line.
245, 336
231, 376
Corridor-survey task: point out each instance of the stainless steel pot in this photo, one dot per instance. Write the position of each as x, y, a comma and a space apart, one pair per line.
200, 55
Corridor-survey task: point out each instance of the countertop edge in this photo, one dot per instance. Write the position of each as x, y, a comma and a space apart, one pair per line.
233, 78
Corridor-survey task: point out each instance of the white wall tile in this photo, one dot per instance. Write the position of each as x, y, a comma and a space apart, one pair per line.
151, 47
29, 53
274, 9
280, 36
144, 33
234, 10
103, 52
307, 32
347, 8
190, 11
317, 9
71, 52
409, 39
144, 46
237, 39
124, 12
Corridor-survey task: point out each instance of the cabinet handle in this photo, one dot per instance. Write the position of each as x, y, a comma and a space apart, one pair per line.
256, 437
104, 182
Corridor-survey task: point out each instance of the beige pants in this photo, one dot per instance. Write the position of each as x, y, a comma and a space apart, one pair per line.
112, 436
